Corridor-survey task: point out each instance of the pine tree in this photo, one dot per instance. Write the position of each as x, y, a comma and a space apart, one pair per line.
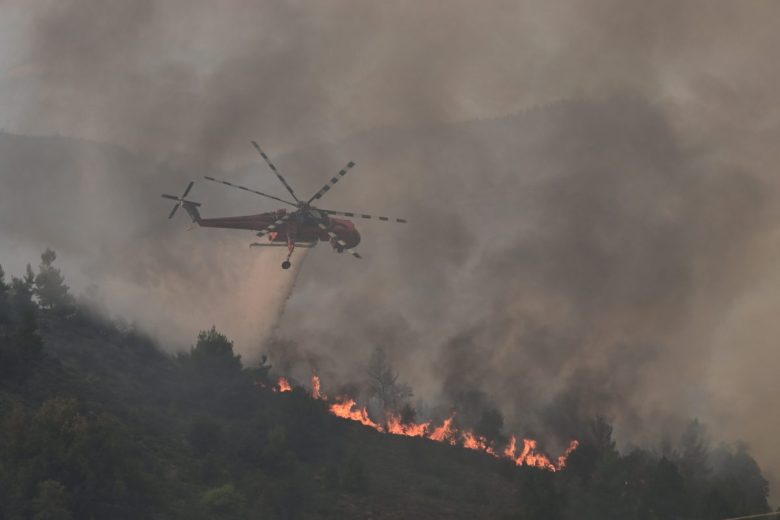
212, 355
50, 285
3, 286
21, 347
4, 309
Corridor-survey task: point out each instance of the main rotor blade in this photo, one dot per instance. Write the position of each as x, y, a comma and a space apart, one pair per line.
362, 215
249, 190
189, 187
279, 175
176, 207
331, 182
166, 196
273, 226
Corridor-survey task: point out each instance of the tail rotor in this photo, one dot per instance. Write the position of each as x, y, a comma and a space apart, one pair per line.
180, 201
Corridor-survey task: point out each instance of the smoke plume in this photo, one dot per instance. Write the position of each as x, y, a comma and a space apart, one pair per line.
590, 189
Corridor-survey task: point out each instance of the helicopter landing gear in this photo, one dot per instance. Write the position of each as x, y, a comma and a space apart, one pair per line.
290, 248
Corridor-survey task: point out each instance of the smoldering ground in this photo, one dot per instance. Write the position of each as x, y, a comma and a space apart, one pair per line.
614, 253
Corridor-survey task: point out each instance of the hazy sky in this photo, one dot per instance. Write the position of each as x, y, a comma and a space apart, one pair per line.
592, 188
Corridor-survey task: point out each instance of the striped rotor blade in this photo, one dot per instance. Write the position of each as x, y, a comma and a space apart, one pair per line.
189, 187
226, 183
363, 215
173, 212
340, 242
331, 234
276, 224
331, 182
282, 244
271, 165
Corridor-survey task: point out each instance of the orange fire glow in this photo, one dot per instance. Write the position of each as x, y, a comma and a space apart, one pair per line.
284, 385
573, 445
473, 441
347, 408
529, 456
315, 389
509, 452
445, 432
395, 426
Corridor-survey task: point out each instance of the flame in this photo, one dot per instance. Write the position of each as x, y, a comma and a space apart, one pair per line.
531, 457
473, 441
573, 445
395, 426
445, 432
347, 408
509, 452
284, 385
315, 389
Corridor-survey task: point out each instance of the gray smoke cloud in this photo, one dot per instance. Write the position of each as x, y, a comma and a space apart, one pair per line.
590, 189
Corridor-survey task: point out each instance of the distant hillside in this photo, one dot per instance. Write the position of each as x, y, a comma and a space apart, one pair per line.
95, 422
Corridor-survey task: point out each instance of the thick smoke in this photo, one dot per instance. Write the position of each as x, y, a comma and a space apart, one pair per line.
590, 189
100, 208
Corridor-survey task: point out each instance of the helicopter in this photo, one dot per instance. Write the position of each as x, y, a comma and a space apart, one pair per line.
304, 226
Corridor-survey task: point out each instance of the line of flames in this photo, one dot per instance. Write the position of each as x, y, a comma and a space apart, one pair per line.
347, 408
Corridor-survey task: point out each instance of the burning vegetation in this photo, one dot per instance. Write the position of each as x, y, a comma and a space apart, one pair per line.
193, 436
447, 432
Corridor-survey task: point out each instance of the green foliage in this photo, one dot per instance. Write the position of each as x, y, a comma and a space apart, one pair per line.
58, 451
212, 356
276, 453
142, 435
21, 347
224, 502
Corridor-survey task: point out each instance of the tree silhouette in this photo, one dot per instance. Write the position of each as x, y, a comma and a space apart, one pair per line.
20, 345
4, 294
383, 382
212, 355
50, 285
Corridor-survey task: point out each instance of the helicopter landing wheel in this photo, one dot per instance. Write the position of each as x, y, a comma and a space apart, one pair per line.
286, 264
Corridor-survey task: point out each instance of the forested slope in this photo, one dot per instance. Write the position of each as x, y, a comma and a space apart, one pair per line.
97, 422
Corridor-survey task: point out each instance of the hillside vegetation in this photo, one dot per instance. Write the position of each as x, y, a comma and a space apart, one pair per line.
97, 422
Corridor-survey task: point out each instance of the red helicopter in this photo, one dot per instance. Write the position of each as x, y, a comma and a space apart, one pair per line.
302, 227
